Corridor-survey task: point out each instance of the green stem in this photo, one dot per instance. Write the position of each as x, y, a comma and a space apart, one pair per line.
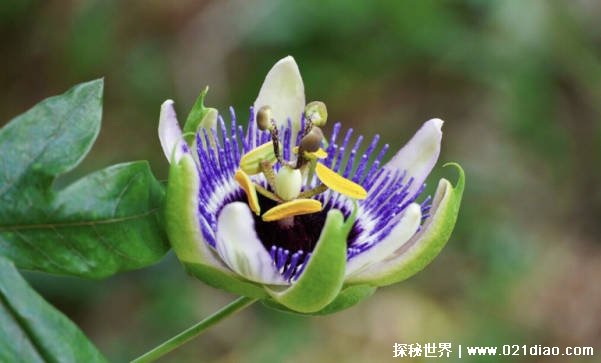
195, 330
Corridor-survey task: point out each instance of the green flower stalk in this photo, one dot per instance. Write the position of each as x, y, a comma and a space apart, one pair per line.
304, 223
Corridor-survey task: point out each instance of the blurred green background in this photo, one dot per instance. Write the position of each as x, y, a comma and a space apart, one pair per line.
518, 83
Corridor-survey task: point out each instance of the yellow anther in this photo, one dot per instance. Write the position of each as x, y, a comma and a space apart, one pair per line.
292, 208
249, 188
250, 162
319, 154
338, 183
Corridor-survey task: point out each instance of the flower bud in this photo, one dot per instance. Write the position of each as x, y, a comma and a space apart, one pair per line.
317, 113
264, 118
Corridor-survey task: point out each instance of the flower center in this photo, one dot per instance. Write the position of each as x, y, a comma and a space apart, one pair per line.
300, 235
285, 185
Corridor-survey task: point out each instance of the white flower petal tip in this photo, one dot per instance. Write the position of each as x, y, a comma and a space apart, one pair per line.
170, 133
240, 247
420, 154
399, 235
284, 92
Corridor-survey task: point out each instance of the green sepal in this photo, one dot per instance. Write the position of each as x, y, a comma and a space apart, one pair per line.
199, 116
348, 297
220, 280
186, 238
426, 245
323, 277
180, 215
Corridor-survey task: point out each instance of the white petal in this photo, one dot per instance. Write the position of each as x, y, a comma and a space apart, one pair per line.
420, 154
284, 92
400, 234
240, 247
170, 133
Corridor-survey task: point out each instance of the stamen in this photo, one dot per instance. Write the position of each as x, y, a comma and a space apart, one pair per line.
251, 161
266, 193
310, 176
319, 154
249, 188
310, 143
269, 174
313, 192
264, 118
292, 208
336, 182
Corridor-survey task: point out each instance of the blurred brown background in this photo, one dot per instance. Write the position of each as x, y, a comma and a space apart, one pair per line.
518, 83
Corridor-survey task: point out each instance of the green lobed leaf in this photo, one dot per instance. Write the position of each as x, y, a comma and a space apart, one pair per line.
32, 331
106, 222
49, 139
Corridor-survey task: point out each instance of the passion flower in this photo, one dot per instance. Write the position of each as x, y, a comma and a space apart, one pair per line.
305, 223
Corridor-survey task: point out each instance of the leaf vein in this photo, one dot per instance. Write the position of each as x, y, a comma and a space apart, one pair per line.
113, 248
16, 227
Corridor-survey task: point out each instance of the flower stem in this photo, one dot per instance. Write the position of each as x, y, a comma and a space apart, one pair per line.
195, 330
